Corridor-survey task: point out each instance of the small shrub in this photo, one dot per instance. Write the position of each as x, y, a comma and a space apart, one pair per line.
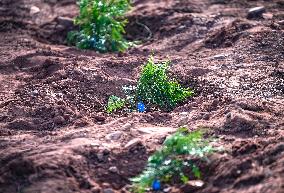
114, 103
171, 160
155, 88
101, 25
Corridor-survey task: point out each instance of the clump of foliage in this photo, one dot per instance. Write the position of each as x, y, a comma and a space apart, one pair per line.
155, 88
114, 103
101, 25
171, 160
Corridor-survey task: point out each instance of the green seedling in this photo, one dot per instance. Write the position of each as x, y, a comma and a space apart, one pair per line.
155, 88
173, 158
114, 103
102, 24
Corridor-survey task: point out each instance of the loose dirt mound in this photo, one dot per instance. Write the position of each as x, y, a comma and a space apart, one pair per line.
56, 137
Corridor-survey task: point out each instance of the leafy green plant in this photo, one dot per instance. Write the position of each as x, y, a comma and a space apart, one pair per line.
155, 88
101, 25
170, 161
114, 103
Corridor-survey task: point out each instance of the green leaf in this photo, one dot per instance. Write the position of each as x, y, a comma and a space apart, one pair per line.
196, 171
184, 178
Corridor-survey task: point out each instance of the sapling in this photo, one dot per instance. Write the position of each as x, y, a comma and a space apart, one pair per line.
172, 159
155, 88
101, 24
114, 103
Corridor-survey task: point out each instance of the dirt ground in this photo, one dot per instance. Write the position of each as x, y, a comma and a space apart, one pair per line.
55, 136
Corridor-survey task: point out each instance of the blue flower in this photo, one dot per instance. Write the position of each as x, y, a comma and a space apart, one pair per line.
156, 185
141, 107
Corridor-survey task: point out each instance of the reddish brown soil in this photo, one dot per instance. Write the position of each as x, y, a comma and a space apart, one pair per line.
55, 136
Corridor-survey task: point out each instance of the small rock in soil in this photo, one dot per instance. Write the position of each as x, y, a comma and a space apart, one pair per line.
59, 120
114, 136
256, 12
106, 152
184, 113
167, 189
281, 24
192, 186
100, 157
95, 190
267, 15
146, 130
228, 115
65, 21
86, 184
133, 143
127, 126
206, 116
182, 121
34, 10
134, 132
162, 140
154, 130
219, 57
34, 93
108, 190
99, 118
113, 169
127, 188
81, 123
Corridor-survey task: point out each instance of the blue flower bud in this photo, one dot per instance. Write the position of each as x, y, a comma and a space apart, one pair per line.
141, 107
156, 185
